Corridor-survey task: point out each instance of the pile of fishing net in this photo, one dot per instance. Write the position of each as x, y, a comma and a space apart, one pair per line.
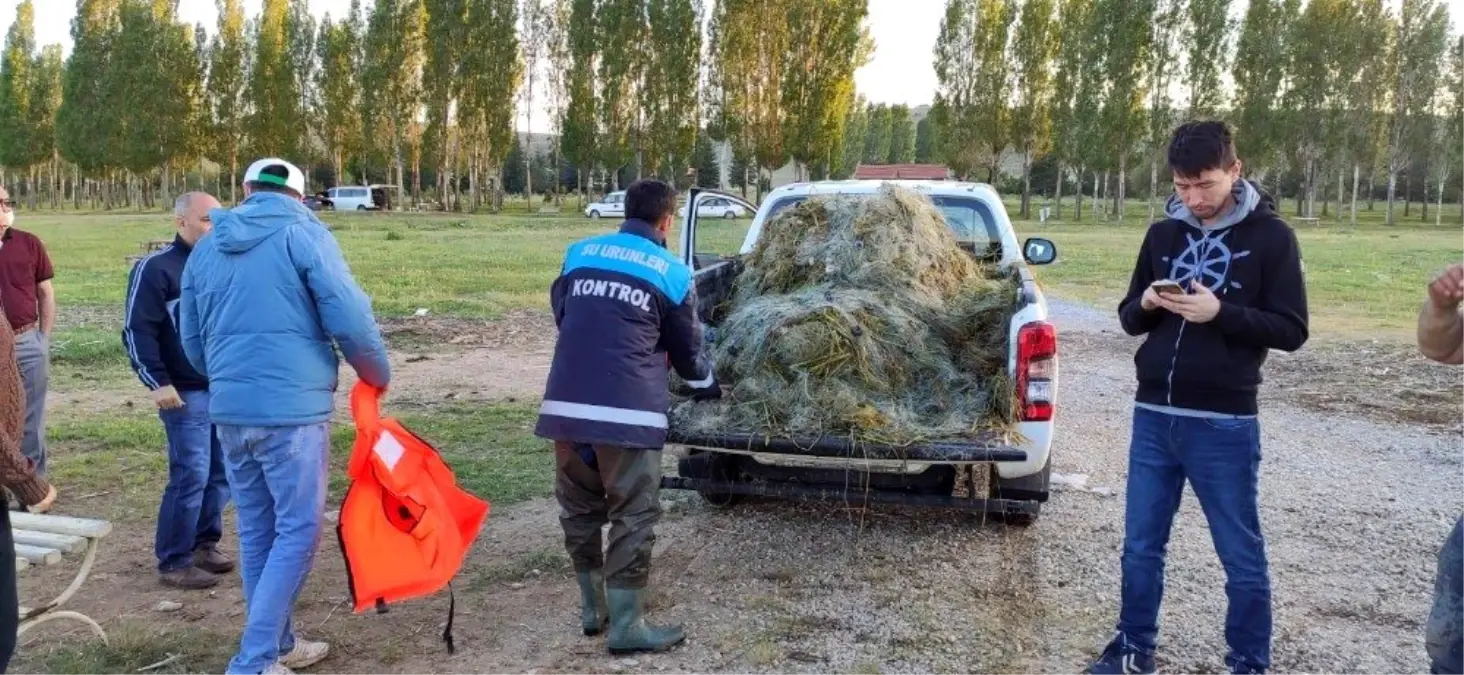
860, 316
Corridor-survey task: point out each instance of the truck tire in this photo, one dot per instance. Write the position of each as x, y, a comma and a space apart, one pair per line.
713, 466
1033, 488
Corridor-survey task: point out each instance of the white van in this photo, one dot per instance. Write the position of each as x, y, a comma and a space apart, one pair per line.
351, 198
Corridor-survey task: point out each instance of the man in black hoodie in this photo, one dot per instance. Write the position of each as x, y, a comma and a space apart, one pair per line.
1241, 294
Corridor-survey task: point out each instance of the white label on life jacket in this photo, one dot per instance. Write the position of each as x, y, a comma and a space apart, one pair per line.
389, 450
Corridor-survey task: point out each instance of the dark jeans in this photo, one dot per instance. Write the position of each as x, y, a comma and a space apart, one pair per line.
191, 515
609, 484
1221, 460
1446, 621
9, 594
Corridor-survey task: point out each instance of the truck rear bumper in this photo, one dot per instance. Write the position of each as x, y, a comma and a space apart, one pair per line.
979, 450
853, 495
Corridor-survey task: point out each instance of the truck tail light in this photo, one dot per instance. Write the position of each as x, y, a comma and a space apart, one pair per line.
1036, 370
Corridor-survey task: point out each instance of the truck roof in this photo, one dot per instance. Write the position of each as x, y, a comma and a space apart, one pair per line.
934, 187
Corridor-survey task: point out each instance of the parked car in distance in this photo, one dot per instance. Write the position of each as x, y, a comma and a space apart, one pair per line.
716, 207
611, 206
318, 202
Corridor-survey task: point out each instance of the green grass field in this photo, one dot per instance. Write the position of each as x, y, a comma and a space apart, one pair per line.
1361, 281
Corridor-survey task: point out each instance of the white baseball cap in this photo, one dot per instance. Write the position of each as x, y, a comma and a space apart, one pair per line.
293, 178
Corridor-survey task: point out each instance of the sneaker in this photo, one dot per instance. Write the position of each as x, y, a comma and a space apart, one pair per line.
211, 561
305, 654
190, 578
277, 668
1122, 658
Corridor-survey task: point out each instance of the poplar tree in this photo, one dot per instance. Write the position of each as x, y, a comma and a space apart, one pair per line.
1033, 50
670, 82
1416, 63
490, 76
45, 101
15, 89
535, 20
338, 86
557, 53
228, 71
1207, 31
620, 26
880, 135
1263, 57
902, 136
579, 120
272, 123
391, 79
90, 140
446, 28
818, 79
856, 128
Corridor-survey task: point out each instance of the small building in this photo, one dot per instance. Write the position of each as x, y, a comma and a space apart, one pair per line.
902, 172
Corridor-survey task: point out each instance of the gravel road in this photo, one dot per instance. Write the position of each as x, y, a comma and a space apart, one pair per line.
1354, 506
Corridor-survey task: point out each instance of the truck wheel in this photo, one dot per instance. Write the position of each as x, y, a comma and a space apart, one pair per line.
712, 466
1027, 488
1020, 519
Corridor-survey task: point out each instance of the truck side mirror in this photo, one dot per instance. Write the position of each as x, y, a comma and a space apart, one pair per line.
1039, 251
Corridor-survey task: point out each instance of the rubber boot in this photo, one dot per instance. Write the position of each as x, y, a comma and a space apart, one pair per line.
594, 611
629, 632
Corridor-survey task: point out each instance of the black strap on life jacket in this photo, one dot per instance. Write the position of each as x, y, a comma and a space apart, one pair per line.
451, 611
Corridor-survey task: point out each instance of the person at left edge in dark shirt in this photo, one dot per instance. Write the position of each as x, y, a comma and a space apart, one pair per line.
30, 307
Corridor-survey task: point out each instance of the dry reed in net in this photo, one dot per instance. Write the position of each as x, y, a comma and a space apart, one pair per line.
861, 316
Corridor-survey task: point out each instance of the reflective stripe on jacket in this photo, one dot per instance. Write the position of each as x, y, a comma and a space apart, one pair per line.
625, 307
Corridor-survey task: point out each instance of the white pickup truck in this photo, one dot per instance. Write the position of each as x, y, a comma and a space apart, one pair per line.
728, 466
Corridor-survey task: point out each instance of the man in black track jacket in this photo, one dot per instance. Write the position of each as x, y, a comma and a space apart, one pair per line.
190, 518
1240, 294
626, 308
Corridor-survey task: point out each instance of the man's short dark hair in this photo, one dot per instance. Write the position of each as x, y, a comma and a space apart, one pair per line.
273, 170
649, 200
1197, 147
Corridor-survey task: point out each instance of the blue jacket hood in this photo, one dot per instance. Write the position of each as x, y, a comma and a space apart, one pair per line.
259, 217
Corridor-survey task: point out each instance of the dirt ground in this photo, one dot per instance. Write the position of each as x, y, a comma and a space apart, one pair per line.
1360, 484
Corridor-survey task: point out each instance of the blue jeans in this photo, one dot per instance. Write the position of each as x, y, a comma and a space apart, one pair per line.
191, 515
279, 479
1446, 620
1221, 459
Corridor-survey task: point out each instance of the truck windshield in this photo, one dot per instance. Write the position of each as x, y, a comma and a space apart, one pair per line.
969, 218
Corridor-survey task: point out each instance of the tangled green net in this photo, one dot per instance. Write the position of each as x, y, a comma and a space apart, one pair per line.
861, 316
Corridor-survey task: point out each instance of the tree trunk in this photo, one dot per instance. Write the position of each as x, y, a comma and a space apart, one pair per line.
1122, 192
1096, 194
1057, 193
1153, 185
498, 189
1439, 207
1423, 203
234, 177
1371, 188
1027, 184
1078, 196
1407, 192
167, 179
1392, 193
1356, 174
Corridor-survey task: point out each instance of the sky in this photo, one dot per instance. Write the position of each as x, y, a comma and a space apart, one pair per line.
901, 71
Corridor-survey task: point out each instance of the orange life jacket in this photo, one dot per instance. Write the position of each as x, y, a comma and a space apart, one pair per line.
405, 526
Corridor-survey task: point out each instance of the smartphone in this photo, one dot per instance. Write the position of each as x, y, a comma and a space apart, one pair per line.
1168, 286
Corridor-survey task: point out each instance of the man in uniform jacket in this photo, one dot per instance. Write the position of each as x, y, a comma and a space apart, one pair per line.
623, 304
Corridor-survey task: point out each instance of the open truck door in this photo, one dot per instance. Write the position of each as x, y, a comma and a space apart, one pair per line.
703, 253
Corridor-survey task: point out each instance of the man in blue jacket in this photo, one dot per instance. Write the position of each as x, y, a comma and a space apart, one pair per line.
266, 298
623, 304
190, 516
